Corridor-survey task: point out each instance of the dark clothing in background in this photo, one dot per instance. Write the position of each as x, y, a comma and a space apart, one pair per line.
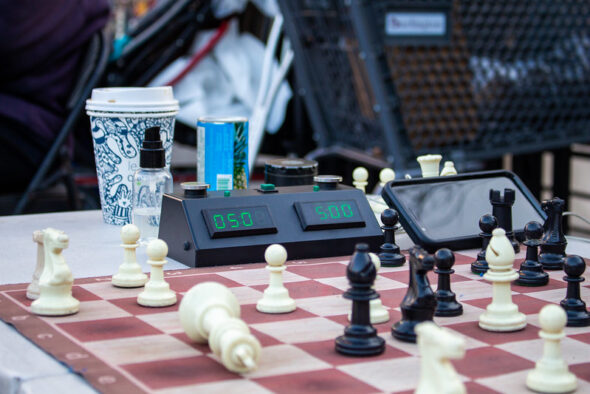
42, 43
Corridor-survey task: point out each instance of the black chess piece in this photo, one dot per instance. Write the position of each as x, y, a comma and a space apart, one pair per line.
575, 308
502, 211
487, 224
419, 303
553, 244
446, 303
390, 255
360, 337
531, 271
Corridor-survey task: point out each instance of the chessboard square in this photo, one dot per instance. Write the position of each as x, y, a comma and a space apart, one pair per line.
246, 295
393, 298
515, 382
91, 310
130, 305
327, 380
19, 296
259, 276
583, 337
325, 350
472, 330
553, 284
285, 359
144, 348
392, 375
251, 315
97, 330
265, 340
317, 271
106, 291
582, 371
381, 283
179, 372
184, 283
465, 271
326, 306
556, 295
203, 348
309, 288
301, 330
168, 322
466, 257
223, 387
470, 314
471, 290
489, 361
572, 351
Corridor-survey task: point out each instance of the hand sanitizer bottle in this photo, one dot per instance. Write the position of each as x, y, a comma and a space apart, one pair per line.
150, 183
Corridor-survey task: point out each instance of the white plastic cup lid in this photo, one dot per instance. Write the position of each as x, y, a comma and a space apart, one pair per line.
136, 99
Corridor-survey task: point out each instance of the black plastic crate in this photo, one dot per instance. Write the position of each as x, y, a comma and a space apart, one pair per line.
472, 80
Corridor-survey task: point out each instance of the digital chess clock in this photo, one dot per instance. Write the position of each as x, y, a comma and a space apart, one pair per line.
220, 228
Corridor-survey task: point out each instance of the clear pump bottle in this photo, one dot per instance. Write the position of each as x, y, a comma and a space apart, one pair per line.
150, 183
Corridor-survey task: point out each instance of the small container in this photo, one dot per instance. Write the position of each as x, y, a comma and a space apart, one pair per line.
290, 172
150, 183
222, 152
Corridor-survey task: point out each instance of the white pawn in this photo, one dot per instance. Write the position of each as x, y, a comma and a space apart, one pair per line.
210, 312
33, 287
386, 175
359, 178
157, 291
437, 345
448, 169
502, 314
55, 283
378, 312
276, 296
130, 273
429, 165
551, 374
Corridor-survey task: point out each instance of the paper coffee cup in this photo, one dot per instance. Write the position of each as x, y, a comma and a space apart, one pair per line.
118, 120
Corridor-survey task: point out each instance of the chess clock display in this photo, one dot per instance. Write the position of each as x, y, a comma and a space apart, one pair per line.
209, 228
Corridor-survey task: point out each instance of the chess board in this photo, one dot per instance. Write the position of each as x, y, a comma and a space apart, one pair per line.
121, 347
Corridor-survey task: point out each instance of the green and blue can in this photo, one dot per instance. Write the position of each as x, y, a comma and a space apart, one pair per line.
222, 152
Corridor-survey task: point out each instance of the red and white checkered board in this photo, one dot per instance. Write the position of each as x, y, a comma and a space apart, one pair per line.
121, 347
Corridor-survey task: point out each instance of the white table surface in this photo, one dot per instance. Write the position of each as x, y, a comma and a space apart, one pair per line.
94, 250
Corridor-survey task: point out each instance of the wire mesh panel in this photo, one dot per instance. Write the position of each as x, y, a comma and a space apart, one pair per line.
470, 79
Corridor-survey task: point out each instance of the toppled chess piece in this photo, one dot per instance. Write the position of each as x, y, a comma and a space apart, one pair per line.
209, 312
502, 211
360, 176
446, 302
551, 373
419, 302
429, 165
55, 283
531, 271
157, 291
437, 346
502, 314
33, 287
276, 297
575, 308
553, 244
360, 337
390, 255
487, 224
448, 169
130, 273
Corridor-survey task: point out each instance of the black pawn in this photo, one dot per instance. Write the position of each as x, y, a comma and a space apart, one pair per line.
575, 308
553, 244
502, 211
531, 271
390, 255
446, 303
487, 224
419, 302
360, 337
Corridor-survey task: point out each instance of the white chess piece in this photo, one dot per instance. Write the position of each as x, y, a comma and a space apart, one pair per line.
502, 314
55, 283
386, 175
429, 165
378, 312
130, 273
276, 297
360, 176
33, 287
210, 312
551, 373
157, 291
448, 169
437, 345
